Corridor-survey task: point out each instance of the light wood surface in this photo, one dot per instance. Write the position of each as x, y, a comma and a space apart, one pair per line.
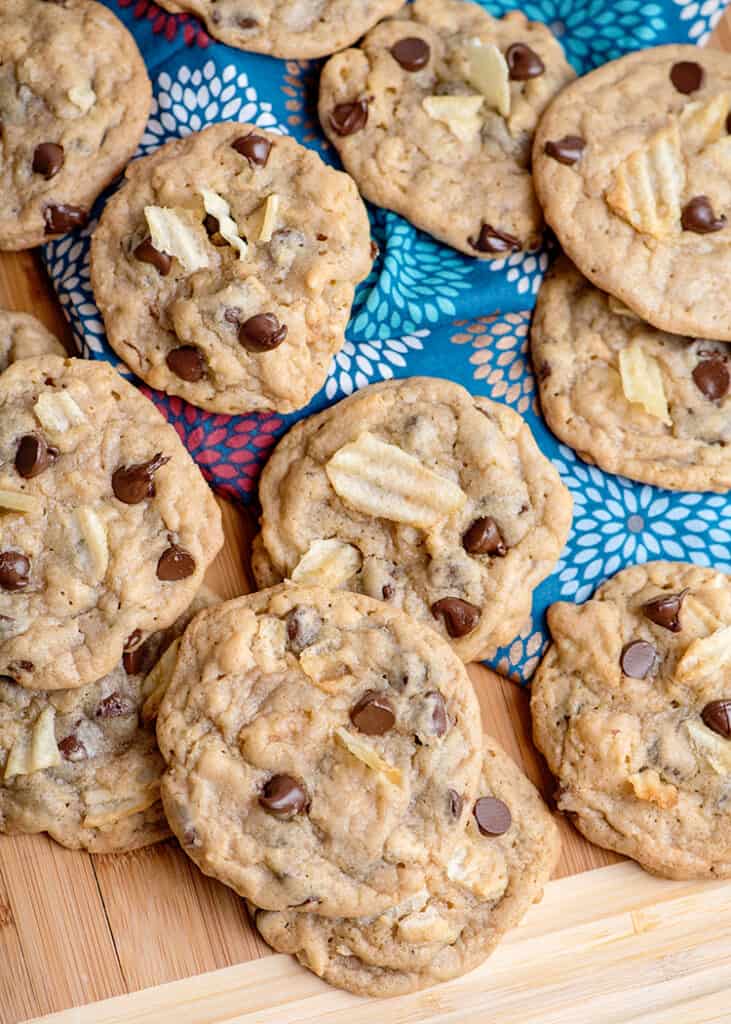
610, 946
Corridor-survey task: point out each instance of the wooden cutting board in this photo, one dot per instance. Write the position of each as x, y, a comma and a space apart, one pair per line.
159, 942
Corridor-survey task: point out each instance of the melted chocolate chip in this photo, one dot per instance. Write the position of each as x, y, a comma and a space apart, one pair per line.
544, 371
133, 654
72, 749
439, 719
33, 456
567, 150
460, 617
728, 124
412, 53
303, 628
60, 218
455, 803
373, 714
687, 76
387, 591
484, 538
14, 570
712, 378
147, 253
523, 63
284, 797
638, 659
665, 611
256, 148
175, 563
187, 363
492, 240
717, 716
349, 118
698, 216
262, 333
114, 706
48, 159
132, 484
493, 817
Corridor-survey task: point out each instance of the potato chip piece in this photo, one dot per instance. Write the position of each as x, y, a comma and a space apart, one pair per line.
648, 185
94, 535
427, 926
488, 72
382, 480
325, 667
35, 751
268, 224
327, 563
368, 756
705, 658
227, 227
649, 786
178, 233
704, 123
157, 680
19, 501
715, 749
642, 381
479, 869
104, 808
459, 113
82, 96
57, 412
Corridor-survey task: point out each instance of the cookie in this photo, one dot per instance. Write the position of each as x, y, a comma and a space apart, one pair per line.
631, 709
320, 747
632, 399
225, 268
297, 30
74, 101
476, 894
419, 494
107, 523
434, 117
22, 336
83, 764
631, 164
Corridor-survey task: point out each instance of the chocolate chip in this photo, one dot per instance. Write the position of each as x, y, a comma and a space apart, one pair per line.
256, 148
72, 749
147, 253
712, 378
665, 611
460, 617
60, 218
492, 240
698, 216
523, 63
717, 716
638, 659
493, 817
114, 706
139, 661
349, 118
387, 591
544, 371
22, 666
411, 53
373, 714
567, 150
284, 797
175, 563
262, 333
375, 251
14, 570
455, 802
303, 628
133, 654
33, 456
48, 159
728, 124
132, 484
686, 76
439, 719
187, 363
484, 538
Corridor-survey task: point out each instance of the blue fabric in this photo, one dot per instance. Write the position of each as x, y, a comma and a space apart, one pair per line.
425, 309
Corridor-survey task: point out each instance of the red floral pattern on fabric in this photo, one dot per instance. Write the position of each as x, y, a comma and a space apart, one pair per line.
168, 25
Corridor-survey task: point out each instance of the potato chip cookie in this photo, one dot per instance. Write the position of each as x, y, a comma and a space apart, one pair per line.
22, 336
631, 709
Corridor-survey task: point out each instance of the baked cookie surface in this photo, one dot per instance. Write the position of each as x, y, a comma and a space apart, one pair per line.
107, 524
631, 165
631, 709
22, 336
292, 29
480, 891
632, 399
434, 117
74, 101
417, 493
225, 268
319, 749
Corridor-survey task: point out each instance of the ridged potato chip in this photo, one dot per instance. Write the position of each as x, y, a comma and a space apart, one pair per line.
648, 185
179, 234
706, 657
228, 229
368, 756
459, 113
327, 563
642, 381
19, 501
488, 72
703, 123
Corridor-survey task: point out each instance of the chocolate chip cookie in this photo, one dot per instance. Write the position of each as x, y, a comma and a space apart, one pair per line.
631, 164
293, 29
434, 117
320, 748
419, 494
83, 764
225, 268
631, 709
74, 101
21, 336
106, 524
628, 397
476, 894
